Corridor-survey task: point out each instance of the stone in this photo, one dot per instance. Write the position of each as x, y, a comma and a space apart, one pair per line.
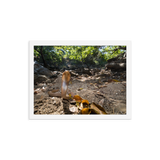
40, 70
73, 109
39, 78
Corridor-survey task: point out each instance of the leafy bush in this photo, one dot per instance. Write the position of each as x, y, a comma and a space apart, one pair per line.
88, 55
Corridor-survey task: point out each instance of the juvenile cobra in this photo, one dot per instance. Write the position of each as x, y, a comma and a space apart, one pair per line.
66, 76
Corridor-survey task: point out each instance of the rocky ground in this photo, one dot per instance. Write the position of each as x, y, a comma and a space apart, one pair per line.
101, 86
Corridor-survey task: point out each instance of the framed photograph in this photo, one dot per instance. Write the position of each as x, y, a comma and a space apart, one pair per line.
80, 79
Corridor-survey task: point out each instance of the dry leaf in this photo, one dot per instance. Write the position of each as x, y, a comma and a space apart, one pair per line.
77, 98
84, 101
94, 109
115, 80
70, 96
89, 111
35, 92
80, 106
85, 111
80, 89
77, 103
97, 109
110, 80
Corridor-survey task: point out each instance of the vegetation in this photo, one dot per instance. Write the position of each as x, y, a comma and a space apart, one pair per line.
88, 55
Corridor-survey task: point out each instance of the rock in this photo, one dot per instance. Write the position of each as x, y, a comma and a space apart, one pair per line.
41, 85
102, 71
95, 70
55, 72
116, 93
53, 76
40, 70
84, 71
39, 78
84, 65
73, 109
101, 102
112, 98
73, 74
118, 63
116, 66
71, 67
48, 81
43, 89
48, 105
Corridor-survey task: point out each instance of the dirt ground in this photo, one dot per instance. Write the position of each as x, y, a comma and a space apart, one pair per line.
105, 88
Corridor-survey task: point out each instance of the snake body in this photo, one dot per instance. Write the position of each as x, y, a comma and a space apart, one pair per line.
66, 76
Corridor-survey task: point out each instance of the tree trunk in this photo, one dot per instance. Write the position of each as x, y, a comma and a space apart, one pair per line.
41, 52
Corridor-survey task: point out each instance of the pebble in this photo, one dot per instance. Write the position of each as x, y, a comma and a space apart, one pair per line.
73, 109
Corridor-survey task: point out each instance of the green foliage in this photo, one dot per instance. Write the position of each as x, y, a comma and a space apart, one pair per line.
89, 55
36, 53
113, 51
